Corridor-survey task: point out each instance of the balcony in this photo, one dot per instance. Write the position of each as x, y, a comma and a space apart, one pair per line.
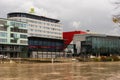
3, 27
10, 50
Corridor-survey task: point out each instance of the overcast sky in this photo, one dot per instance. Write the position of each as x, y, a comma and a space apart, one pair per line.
93, 15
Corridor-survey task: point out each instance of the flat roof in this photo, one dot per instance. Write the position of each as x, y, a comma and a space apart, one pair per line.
28, 15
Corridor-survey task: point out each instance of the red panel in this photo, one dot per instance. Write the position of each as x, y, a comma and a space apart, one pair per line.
68, 36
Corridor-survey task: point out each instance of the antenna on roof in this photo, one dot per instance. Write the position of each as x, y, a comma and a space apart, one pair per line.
32, 10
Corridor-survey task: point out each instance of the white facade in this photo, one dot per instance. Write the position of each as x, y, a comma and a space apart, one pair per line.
40, 28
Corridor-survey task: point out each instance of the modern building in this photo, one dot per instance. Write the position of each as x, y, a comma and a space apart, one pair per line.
13, 38
69, 46
77, 38
44, 34
97, 44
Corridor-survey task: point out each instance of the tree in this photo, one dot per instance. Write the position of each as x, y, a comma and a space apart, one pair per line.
116, 16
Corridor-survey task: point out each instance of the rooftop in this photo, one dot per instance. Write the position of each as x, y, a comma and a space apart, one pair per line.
33, 16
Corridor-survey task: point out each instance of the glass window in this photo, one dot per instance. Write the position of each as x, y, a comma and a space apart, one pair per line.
23, 36
3, 34
35, 42
3, 40
13, 41
12, 23
14, 35
23, 41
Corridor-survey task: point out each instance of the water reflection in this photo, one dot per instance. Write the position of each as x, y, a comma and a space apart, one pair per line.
64, 71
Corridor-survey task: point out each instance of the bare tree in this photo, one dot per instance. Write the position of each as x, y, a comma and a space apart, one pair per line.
116, 16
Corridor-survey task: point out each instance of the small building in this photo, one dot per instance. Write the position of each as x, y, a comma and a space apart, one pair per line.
97, 44
13, 38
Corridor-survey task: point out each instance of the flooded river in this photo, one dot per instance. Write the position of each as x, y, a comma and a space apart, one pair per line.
61, 71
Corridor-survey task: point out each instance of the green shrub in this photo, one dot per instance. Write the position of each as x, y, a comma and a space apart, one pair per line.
104, 58
96, 59
111, 58
115, 58
80, 59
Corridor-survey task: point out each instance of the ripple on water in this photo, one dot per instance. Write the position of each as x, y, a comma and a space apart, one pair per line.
73, 71
115, 76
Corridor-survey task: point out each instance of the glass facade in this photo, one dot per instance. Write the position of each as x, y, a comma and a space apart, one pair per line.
45, 45
98, 45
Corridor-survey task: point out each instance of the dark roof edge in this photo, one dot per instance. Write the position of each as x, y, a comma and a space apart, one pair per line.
33, 15
44, 38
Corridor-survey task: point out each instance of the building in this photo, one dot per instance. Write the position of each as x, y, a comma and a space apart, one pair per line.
77, 39
69, 46
44, 34
13, 38
97, 44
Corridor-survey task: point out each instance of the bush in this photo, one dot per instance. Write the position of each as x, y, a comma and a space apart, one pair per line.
115, 58
79, 59
111, 58
104, 58
96, 59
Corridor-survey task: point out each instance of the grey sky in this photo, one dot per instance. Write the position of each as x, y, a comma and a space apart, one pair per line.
95, 15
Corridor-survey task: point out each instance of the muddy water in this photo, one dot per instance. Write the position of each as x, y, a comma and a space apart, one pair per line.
61, 71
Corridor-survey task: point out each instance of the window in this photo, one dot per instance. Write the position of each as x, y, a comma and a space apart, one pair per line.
3, 40
3, 34
19, 30
11, 35
12, 23
31, 29
36, 42
23, 36
3, 28
23, 41
18, 24
13, 41
14, 35
40, 42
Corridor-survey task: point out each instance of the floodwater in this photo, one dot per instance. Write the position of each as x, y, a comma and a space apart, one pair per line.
61, 71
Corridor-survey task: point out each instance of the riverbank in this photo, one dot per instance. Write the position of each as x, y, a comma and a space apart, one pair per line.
60, 60
36, 60
100, 59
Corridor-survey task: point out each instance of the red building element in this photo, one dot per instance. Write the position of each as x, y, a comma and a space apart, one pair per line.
68, 36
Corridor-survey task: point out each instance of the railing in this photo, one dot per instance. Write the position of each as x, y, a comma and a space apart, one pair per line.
8, 49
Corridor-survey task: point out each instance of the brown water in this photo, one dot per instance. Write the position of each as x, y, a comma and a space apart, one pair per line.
61, 71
